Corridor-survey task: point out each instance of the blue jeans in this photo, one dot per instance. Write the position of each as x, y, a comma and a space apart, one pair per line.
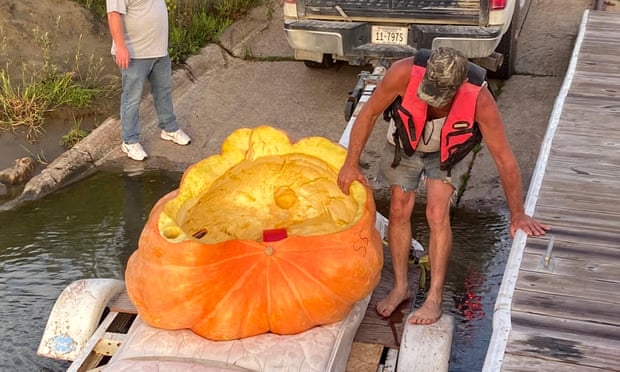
158, 71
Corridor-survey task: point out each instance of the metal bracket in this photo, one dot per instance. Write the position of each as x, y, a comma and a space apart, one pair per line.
548, 261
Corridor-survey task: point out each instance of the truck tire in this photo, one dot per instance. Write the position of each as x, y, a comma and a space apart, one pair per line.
326, 63
508, 47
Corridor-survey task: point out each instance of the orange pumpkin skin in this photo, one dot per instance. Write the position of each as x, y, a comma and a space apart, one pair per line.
239, 288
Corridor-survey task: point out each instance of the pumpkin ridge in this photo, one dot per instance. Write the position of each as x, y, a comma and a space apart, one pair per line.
223, 260
294, 291
308, 275
242, 279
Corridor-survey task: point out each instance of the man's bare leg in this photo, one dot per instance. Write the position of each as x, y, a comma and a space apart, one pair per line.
399, 240
440, 248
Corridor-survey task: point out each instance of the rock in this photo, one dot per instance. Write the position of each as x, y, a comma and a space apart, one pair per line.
19, 173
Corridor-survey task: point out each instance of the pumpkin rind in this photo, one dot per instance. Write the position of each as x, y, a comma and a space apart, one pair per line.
238, 288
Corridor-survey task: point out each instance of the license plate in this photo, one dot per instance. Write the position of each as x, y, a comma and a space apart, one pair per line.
389, 35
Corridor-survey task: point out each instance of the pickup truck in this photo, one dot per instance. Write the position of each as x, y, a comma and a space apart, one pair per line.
363, 32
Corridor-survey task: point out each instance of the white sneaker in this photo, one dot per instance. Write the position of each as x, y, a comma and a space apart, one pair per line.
134, 151
179, 137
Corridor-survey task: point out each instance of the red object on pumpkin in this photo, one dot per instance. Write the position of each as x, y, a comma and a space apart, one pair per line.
273, 235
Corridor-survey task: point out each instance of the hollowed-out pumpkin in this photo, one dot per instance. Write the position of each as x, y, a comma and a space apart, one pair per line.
257, 239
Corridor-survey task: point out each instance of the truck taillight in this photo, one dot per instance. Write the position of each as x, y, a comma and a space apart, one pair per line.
497, 4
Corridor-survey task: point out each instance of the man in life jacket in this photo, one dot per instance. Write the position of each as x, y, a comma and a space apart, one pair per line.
441, 112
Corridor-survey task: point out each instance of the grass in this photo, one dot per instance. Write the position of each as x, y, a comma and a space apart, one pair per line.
27, 102
192, 24
75, 135
44, 89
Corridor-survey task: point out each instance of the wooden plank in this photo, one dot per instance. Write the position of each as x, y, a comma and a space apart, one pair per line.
591, 169
515, 362
578, 287
604, 204
578, 268
587, 332
364, 357
576, 203
577, 145
376, 329
566, 246
601, 165
599, 227
591, 180
599, 186
579, 171
566, 307
565, 341
582, 112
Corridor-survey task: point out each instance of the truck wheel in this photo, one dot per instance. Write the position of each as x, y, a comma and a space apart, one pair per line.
508, 47
326, 63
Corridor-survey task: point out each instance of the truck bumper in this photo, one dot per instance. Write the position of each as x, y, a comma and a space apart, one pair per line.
351, 40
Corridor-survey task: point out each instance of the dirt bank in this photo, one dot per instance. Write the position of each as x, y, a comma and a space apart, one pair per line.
31, 28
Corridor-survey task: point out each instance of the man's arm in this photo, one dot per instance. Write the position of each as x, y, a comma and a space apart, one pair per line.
117, 31
494, 134
394, 83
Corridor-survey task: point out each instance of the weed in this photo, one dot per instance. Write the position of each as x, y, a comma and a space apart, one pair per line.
95, 6
20, 107
193, 23
45, 88
40, 157
75, 135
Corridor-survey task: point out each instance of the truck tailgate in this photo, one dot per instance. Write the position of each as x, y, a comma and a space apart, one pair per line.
457, 11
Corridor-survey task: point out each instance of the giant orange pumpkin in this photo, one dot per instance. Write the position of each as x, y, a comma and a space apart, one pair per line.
202, 262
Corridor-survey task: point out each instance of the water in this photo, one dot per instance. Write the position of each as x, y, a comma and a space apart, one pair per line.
481, 244
480, 251
89, 229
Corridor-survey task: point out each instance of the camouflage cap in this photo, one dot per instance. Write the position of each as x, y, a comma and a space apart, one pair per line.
446, 70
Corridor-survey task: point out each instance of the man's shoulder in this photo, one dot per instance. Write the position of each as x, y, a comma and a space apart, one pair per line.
405, 62
402, 67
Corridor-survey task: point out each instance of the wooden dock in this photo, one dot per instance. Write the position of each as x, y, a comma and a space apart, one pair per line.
564, 308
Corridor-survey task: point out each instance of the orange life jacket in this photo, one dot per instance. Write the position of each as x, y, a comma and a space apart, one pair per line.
460, 133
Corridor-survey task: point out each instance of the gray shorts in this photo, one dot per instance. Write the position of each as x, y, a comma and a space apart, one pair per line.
409, 172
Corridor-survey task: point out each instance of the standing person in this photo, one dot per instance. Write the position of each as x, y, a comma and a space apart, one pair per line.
139, 30
442, 110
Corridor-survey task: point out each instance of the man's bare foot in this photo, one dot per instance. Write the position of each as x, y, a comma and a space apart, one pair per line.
386, 307
429, 313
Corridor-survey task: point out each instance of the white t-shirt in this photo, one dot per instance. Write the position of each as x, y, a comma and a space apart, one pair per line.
431, 135
145, 23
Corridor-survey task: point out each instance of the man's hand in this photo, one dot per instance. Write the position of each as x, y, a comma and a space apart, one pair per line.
122, 57
528, 224
347, 175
